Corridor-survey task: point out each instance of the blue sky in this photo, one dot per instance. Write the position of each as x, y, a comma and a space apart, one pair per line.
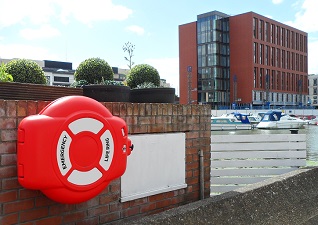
74, 30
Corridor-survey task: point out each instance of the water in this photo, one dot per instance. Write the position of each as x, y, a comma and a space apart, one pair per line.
311, 132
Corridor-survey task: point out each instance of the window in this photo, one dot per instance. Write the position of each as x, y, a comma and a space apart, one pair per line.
261, 52
61, 79
266, 31
255, 27
255, 75
273, 56
261, 78
255, 52
261, 27
272, 33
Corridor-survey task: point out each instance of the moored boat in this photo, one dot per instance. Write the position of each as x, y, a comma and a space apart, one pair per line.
280, 120
233, 121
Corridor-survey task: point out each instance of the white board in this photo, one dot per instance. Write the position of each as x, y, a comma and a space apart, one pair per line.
156, 165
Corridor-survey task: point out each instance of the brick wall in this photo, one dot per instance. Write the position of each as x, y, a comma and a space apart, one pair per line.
23, 206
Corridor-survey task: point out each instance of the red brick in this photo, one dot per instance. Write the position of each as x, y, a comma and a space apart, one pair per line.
131, 211
90, 221
154, 109
42, 105
105, 199
109, 217
139, 201
59, 209
27, 193
51, 220
43, 201
8, 135
157, 197
96, 211
192, 166
8, 196
141, 109
135, 109
146, 120
11, 110
192, 180
8, 171
148, 109
122, 109
115, 109
34, 214
116, 206
8, 147
22, 108
31, 108
7, 123
164, 203
18, 206
8, 159
88, 204
2, 108
74, 216
148, 207
9, 219
11, 183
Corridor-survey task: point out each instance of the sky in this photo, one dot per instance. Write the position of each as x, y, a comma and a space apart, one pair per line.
75, 30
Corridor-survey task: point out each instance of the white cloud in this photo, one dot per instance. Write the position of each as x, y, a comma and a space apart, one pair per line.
277, 1
93, 10
306, 18
45, 31
19, 12
136, 29
41, 12
25, 51
168, 69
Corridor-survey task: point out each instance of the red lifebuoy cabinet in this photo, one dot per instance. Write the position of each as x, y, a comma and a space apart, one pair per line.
72, 149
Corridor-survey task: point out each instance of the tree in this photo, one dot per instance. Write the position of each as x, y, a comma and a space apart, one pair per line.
26, 71
141, 74
94, 71
4, 76
129, 47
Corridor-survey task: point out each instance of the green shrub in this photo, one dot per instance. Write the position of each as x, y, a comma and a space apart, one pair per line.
143, 73
26, 71
94, 70
4, 76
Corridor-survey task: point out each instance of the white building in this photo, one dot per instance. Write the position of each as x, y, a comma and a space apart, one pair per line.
313, 89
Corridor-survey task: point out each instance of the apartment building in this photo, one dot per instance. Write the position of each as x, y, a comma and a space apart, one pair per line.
246, 60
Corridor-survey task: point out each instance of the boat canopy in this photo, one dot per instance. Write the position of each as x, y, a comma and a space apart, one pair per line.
242, 117
272, 116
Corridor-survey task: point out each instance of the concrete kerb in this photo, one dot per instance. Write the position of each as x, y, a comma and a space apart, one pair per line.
291, 198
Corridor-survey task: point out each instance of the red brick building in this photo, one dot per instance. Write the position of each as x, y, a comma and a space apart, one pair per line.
246, 60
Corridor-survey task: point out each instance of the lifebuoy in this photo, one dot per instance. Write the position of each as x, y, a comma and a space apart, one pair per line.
72, 149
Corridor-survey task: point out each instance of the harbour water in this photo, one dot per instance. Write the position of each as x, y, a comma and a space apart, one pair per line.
311, 132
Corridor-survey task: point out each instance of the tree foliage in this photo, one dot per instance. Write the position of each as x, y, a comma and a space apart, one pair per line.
129, 48
143, 73
26, 71
94, 70
4, 76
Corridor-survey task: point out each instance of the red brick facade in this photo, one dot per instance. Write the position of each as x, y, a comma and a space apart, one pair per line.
22, 206
188, 53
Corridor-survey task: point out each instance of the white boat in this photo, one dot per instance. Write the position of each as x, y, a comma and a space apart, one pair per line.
232, 121
279, 120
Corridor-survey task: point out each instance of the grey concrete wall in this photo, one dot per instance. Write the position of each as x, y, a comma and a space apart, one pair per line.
291, 198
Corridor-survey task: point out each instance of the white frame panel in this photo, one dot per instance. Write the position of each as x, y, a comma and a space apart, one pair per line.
156, 165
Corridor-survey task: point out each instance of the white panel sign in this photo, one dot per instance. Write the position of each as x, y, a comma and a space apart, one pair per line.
156, 165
